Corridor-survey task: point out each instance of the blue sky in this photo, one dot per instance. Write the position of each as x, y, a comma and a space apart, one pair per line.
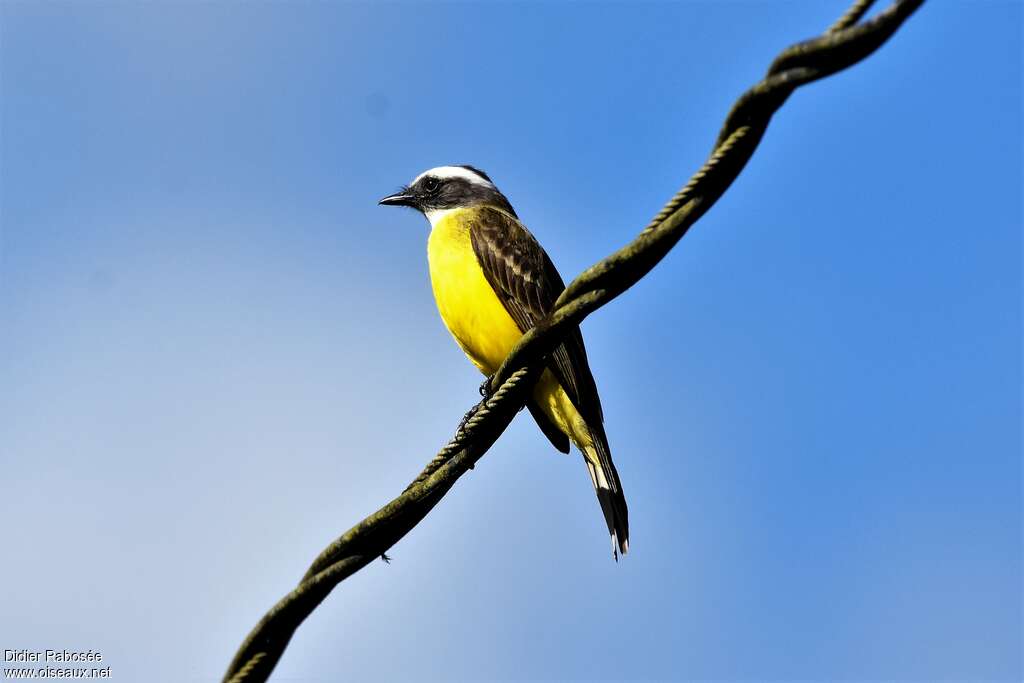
217, 352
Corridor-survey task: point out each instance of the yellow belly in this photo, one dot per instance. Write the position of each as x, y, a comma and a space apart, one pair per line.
478, 320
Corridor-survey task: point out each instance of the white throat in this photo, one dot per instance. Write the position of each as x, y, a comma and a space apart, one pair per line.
436, 215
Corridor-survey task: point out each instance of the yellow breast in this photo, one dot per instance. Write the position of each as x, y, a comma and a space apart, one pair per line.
478, 320
467, 303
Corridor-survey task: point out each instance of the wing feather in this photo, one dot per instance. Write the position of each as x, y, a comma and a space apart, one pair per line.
527, 283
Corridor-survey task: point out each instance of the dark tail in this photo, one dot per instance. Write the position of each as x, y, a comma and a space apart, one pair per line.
609, 494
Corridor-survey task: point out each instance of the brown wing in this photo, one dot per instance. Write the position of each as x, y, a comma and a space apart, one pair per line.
527, 283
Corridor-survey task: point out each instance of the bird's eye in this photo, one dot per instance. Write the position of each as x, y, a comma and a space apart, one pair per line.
431, 184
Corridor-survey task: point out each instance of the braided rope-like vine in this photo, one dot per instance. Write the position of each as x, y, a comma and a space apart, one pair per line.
477, 415
244, 672
845, 43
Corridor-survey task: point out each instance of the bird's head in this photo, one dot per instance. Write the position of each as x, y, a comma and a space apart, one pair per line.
446, 188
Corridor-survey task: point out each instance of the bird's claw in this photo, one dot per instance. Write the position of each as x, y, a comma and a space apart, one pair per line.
467, 417
485, 391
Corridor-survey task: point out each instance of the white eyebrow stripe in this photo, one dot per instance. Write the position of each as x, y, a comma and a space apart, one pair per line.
453, 172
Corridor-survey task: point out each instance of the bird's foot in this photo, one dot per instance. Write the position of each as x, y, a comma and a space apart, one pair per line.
465, 418
384, 556
485, 391
468, 416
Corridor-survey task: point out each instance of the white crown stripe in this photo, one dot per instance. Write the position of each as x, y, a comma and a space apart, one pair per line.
454, 172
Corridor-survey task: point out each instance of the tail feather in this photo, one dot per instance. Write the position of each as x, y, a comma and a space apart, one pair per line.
610, 496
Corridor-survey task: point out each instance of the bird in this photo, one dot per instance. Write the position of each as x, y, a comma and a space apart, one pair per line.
493, 282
